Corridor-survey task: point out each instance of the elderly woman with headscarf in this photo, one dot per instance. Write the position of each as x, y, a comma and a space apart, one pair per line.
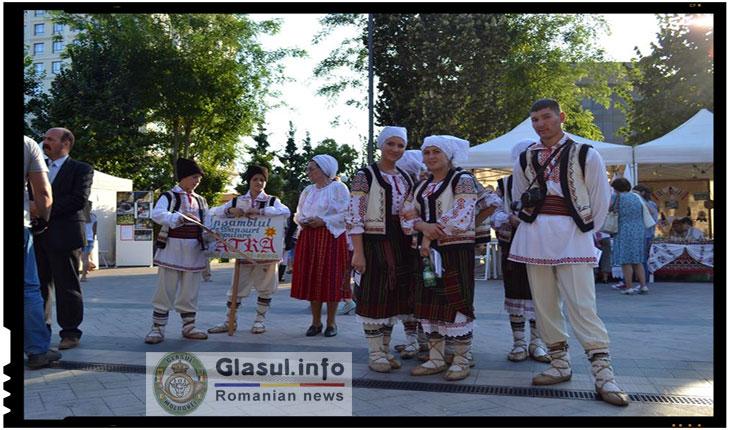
381, 252
446, 205
517, 297
321, 257
263, 277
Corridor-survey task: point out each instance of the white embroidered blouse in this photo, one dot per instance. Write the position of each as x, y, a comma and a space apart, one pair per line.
358, 206
329, 203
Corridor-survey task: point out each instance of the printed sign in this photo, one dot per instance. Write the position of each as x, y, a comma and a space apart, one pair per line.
249, 383
259, 238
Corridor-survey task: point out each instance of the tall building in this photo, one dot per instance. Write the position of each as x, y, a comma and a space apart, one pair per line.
46, 40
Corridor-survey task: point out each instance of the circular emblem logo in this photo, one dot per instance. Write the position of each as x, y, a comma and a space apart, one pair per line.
180, 383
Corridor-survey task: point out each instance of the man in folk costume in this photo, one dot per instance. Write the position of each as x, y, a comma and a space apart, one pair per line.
179, 253
445, 203
517, 298
263, 277
569, 201
381, 252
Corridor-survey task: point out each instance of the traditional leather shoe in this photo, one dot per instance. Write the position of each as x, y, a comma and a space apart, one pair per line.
197, 335
258, 328
222, 328
330, 331
547, 379
38, 361
314, 330
69, 342
457, 375
618, 398
422, 370
380, 365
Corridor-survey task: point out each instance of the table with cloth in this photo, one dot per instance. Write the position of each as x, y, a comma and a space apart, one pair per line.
681, 257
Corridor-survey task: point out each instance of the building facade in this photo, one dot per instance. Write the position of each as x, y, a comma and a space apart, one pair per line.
46, 40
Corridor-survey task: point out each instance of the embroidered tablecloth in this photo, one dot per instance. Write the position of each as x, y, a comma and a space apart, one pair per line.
681, 257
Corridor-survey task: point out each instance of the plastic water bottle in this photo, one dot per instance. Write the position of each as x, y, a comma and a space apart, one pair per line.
429, 277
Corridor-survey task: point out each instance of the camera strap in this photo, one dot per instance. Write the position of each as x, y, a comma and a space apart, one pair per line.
540, 172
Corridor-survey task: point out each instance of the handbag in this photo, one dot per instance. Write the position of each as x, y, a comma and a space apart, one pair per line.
610, 225
646, 215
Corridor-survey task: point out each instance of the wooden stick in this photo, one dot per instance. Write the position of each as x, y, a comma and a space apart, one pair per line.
234, 299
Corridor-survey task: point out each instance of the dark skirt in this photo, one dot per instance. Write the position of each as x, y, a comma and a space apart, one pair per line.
321, 267
514, 274
453, 293
385, 287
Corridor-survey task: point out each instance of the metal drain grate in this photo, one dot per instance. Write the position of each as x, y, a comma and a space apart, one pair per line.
435, 387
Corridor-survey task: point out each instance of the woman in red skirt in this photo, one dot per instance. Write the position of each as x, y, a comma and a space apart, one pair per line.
321, 257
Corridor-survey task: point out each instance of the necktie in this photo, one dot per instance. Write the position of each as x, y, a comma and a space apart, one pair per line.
52, 170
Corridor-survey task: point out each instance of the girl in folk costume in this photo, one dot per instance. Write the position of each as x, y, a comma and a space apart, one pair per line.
263, 277
179, 253
517, 297
381, 252
446, 205
321, 257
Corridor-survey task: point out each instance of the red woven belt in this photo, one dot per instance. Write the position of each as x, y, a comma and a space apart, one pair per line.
185, 232
554, 205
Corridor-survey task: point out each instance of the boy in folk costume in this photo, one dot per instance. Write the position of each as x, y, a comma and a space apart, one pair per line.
179, 253
263, 277
517, 298
567, 202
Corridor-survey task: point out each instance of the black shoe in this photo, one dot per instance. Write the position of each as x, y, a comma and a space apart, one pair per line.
331, 331
42, 360
314, 330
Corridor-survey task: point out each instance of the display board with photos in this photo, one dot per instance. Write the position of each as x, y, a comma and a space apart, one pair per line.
134, 214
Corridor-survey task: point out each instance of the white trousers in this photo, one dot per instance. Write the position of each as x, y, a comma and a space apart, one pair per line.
574, 285
263, 277
168, 281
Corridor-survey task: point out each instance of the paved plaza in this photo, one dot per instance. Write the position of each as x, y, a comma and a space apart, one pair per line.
661, 344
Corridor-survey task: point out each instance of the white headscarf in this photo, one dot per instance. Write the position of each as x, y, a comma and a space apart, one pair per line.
327, 163
519, 147
392, 131
457, 150
411, 161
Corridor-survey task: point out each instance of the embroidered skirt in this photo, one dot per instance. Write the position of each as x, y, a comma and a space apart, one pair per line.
454, 291
517, 296
321, 267
385, 287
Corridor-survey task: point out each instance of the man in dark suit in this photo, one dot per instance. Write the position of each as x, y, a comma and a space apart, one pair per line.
59, 247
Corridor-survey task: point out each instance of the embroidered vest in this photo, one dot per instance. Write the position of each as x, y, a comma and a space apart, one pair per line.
441, 201
380, 200
572, 183
184, 231
269, 202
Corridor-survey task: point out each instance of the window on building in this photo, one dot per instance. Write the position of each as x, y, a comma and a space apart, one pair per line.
56, 66
38, 67
57, 47
40, 12
57, 28
37, 48
39, 29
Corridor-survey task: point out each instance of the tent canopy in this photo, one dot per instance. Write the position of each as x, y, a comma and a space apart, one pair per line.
691, 142
496, 152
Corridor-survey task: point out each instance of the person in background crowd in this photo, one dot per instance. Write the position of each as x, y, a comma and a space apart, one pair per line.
290, 240
629, 250
263, 277
179, 254
446, 204
517, 297
321, 258
91, 222
59, 247
555, 240
602, 241
689, 232
382, 253
36, 335
645, 192
676, 231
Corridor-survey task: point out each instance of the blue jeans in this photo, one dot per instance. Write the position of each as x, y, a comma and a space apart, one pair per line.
647, 242
36, 334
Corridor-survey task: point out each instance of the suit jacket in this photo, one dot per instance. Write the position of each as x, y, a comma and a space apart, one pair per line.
71, 188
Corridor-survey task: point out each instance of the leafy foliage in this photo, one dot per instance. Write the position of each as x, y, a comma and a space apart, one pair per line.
671, 83
261, 156
345, 155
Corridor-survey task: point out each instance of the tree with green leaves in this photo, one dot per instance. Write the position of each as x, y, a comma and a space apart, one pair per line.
261, 156
671, 83
32, 89
292, 171
472, 75
346, 156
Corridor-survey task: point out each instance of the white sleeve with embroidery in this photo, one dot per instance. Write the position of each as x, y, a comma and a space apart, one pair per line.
358, 205
334, 217
162, 216
599, 191
220, 211
278, 209
461, 216
300, 205
406, 225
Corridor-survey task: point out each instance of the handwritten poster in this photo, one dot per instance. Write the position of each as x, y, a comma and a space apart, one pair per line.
259, 238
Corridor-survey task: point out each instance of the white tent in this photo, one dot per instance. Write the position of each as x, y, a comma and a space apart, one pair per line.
691, 142
496, 152
104, 198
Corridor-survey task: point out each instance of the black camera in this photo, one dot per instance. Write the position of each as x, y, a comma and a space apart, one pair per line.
529, 199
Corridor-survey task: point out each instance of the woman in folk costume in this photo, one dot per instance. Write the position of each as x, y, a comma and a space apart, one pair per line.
446, 204
381, 252
321, 257
517, 297
179, 253
263, 277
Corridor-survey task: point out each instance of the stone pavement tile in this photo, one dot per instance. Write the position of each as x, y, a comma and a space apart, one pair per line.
687, 390
367, 394
628, 371
656, 363
708, 375
396, 411
122, 400
60, 376
91, 394
465, 406
51, 397
34, 381
639, 388
85, 386
701, 365
129, 411
423, 408
53, 413
678, 381
33, 404
505, 382
656, 372
503, 374
89, 407
685, 373
623, 379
